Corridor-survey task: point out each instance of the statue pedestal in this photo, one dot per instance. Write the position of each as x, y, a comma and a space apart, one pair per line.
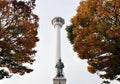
59, 80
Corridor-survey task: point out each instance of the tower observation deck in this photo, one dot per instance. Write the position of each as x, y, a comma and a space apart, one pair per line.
58, 22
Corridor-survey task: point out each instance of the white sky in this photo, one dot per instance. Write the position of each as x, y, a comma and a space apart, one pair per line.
44, 71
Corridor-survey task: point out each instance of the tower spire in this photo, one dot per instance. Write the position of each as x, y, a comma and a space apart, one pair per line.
58, 22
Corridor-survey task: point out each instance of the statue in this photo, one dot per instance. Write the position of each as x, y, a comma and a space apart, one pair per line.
59, 67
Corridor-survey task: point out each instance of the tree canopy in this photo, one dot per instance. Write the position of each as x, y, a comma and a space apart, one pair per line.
94, 33
18, 36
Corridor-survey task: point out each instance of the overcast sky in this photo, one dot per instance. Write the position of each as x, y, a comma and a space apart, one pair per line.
44, 67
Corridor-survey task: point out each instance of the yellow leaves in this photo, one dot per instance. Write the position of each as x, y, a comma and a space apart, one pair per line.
78, 30
91, 69
90, 37
27, 42
102, 27
26, 24
115, 3
110, 33
83, 14
18, 31
97, 33
114, 32
92, 28
75, 20
105, 15
3, 3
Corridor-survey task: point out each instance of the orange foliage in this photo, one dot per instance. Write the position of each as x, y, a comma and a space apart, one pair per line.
18, 35
91, 69
97, 36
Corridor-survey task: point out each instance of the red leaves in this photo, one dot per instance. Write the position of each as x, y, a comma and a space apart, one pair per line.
18, 35
2, 4
96, 30
91, 69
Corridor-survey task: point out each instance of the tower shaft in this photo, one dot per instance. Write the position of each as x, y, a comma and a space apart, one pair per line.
59, 79
58, 43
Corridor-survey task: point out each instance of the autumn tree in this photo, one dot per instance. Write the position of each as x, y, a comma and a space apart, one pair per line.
18, 36
95, 35
105, 82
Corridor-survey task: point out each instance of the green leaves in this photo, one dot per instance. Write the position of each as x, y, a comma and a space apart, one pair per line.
71, 34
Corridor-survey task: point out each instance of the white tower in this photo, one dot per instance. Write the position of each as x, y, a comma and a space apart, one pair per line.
57, 22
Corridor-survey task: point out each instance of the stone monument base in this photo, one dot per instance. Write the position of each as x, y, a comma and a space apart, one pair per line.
59, 80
